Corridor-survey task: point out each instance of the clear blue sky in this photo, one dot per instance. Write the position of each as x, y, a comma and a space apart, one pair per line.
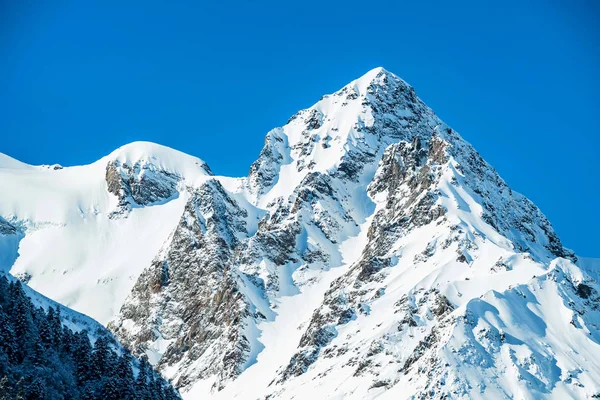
519, 82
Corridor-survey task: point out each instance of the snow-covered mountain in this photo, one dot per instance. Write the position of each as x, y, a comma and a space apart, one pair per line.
76, 241
370, 252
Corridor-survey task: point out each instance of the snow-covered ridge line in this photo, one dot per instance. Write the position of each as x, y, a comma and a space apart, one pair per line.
140, 151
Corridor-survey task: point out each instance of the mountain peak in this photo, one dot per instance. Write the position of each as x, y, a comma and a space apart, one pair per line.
376, 76
373, 73
341, 133
163, 157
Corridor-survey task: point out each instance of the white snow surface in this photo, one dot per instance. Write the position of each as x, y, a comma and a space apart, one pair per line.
517, 329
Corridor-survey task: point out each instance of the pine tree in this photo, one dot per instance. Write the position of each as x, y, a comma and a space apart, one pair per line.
4, 285
8, 341
102, 357
54, 326
38, 354
124, 376
110, 389
141, 383
82, 351
45, 334
66, 343
157, 390
170, 393
20, 310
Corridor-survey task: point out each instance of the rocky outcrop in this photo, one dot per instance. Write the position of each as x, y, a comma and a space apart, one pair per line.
138, 185
6, 228
265, 170
313, 218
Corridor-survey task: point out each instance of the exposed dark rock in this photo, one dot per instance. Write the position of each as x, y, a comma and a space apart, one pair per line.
584, 291
443, 306
139, 185
6, 228
314, 120
425, 344
264, 171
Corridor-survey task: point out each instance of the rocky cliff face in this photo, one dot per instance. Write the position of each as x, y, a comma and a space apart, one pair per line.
186, 309
138, 185
371, 251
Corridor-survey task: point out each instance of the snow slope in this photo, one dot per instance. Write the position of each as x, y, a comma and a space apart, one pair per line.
74, 253
370, 253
